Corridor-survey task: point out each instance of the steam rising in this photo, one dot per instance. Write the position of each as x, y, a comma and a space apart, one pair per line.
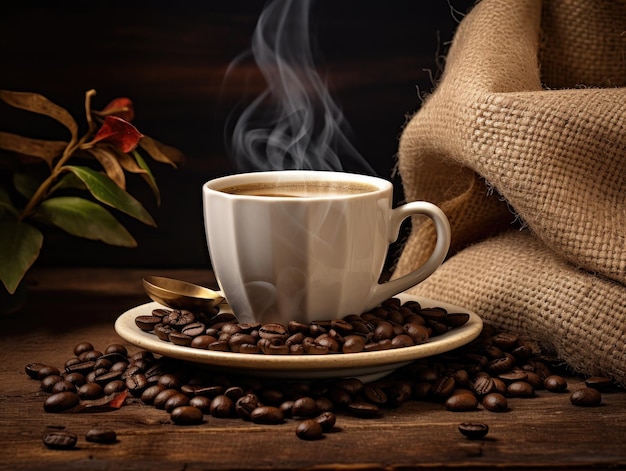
294, 123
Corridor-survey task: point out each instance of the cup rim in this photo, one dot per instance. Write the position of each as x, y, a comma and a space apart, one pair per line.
217, 184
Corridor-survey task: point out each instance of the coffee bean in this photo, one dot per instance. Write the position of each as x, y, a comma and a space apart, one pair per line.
515, 375
374, 394
495, 402
47, 370
83, 367
456, 319
245, 405
32, 369
364, 410
484, 385
600, 383
274, 332
63, 385
501, 365
178, 338
474, 431
49, 381
304, 407
175, 400
586, 397
309, 429
82, 347
169, 381
534, 379
327, 420
461, 402
101, 435
201, 402
520, 389
136, 384
353, 344
555, 383
77, 379
163, 396
106, 378
115, 386
442, 387
506, 341
234, 393
60, 440
268, 415
61, 401
186, 415
178, 318
116, 348
149, 394
222, 406
194, 329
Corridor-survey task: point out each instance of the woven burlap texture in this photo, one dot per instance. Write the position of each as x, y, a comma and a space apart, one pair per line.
528, 123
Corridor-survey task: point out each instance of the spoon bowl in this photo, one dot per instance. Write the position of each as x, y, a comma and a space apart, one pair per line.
178, 294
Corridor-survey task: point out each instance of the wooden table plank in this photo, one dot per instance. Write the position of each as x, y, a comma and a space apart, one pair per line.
545, 432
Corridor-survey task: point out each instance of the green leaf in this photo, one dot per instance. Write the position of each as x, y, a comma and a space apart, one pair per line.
69, 181
46, 150
40, 104
84, 218
148, 176
107, 192
25, 184
6, 205
20, 244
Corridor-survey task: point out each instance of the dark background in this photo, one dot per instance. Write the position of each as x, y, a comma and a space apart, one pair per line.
170, 59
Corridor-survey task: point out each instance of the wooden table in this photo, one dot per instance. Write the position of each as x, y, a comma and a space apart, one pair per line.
67, 306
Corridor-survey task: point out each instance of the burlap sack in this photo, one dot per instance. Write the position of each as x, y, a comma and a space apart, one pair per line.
527, 127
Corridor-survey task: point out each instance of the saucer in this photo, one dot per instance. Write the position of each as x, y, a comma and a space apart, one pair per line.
367, 366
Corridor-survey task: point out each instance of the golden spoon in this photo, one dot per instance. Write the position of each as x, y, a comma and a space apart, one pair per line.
178, 294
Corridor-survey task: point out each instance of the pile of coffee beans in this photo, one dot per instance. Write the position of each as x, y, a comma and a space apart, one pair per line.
392, 325
485, 374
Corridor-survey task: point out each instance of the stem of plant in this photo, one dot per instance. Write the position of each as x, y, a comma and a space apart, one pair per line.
42, 191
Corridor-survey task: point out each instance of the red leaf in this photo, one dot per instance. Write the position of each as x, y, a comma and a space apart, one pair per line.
104, 404
121, 107
119, 133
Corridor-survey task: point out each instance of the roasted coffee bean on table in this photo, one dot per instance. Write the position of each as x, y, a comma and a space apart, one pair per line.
489, 374
101, 435
474, 431
60, 440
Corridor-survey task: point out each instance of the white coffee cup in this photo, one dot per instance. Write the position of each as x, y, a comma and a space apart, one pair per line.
308, 245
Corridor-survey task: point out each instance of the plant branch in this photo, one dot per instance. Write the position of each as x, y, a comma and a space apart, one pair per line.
72, 146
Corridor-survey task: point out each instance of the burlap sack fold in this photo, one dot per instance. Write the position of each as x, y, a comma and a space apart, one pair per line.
528, 123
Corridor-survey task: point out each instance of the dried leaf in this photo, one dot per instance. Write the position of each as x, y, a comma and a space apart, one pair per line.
107, 403
46, 150
162, 152
40, 104
128, 163
111, 166
20, 243
118, 133
107, 192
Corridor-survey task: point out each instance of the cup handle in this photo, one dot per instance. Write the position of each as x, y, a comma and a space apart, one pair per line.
384, 291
